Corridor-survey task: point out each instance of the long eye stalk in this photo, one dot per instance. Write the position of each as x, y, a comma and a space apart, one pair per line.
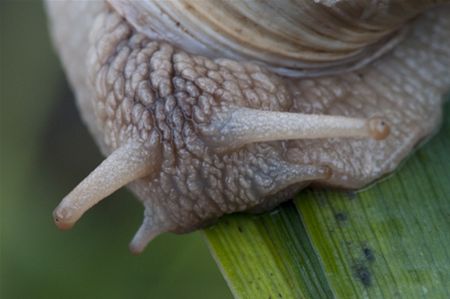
126, 164
244, 126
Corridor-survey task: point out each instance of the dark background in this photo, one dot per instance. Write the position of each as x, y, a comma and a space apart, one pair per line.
45, 151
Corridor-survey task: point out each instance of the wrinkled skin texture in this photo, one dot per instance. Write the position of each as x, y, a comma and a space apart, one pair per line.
131, 88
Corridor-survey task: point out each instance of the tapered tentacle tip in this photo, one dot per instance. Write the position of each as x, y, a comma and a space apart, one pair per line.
141, 239
62, 216
136, 246
126, 164
136, 249
378, 128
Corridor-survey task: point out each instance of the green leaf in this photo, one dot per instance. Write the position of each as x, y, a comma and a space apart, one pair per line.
389, 241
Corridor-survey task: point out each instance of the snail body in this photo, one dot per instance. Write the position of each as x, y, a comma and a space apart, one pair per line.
224, 126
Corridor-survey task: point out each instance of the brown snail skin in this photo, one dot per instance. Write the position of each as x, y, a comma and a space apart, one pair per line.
230, 128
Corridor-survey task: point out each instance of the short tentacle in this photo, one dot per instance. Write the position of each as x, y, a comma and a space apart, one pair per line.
286, 174
146, 232
127, 163
243, 126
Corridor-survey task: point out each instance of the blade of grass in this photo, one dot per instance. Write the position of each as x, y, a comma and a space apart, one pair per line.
277, 242
392, 240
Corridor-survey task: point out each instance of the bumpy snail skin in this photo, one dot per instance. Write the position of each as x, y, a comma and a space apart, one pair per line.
195, 138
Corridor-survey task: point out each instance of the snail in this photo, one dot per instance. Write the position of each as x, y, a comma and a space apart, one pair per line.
205, 108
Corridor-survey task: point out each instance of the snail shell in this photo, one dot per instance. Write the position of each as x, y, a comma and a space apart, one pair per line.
296, 38
212, 107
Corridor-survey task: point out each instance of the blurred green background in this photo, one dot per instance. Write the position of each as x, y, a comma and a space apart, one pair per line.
45, 151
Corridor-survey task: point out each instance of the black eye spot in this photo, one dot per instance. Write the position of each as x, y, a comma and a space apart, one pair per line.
340, 217
363, 274
368, 254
